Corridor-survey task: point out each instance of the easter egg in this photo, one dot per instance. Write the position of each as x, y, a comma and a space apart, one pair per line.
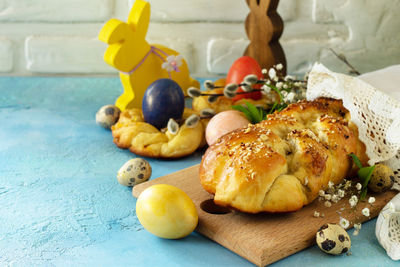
242, 67
162, 100
166, 211
223, 123
133, 172
333, 239
107, 116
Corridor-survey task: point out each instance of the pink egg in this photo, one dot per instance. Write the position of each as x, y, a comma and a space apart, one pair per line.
223, 123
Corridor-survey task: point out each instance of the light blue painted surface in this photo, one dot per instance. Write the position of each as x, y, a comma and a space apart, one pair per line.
60, 203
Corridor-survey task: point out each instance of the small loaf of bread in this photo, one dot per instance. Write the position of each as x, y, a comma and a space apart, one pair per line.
280, 164
131, 131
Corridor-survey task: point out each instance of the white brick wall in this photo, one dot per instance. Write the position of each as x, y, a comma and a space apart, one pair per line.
6, 55
60, 37
56, 10
197, 10
222, 52
58, 54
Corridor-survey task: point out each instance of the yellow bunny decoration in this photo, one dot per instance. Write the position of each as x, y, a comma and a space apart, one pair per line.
140, 63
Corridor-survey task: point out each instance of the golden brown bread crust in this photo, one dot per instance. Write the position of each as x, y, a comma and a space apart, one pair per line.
280, 164
223, 103
131, 131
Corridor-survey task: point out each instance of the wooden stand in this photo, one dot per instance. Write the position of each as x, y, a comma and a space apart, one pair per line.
264, 27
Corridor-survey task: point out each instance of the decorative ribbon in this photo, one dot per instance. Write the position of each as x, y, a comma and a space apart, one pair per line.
156, 51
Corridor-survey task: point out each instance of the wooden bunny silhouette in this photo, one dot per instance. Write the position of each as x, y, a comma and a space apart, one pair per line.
264, 26
140, 63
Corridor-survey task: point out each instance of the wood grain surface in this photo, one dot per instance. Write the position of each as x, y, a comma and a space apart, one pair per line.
264, 27
262, 238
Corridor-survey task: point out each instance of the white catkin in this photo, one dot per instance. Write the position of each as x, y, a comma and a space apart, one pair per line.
192, 121
209, 85
251, 79
231, 87
212, 98
194, 92
207, 112
247, 87
229, 94
173, 126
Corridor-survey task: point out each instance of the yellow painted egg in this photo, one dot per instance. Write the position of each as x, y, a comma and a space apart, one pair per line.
166, 211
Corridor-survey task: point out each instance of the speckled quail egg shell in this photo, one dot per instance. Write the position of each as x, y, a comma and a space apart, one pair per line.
107, 116
333, 239
382, 178
133, 172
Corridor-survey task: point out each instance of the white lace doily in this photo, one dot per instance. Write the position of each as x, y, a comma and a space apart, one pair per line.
387, 228
376, 114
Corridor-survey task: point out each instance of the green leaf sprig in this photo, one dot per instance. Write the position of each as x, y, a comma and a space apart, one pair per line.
277, 107
252, 113
364, 173
257, 114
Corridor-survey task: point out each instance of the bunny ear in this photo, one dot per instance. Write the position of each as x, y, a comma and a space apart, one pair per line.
139, 17
264, 5
114, 31
270, 5
253, 3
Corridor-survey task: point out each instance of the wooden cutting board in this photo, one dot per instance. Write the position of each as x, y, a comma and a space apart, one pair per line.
261, 238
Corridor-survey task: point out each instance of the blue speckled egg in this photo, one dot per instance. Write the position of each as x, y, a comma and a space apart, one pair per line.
163, 100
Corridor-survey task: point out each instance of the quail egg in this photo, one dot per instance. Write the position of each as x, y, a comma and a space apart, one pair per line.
333, 239
382, 178
133, 172
107, 116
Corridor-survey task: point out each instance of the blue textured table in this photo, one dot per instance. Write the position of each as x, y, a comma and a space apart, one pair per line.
60, 202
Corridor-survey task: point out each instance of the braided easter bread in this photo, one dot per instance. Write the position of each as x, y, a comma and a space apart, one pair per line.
223, 103
280, 164
131, 131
